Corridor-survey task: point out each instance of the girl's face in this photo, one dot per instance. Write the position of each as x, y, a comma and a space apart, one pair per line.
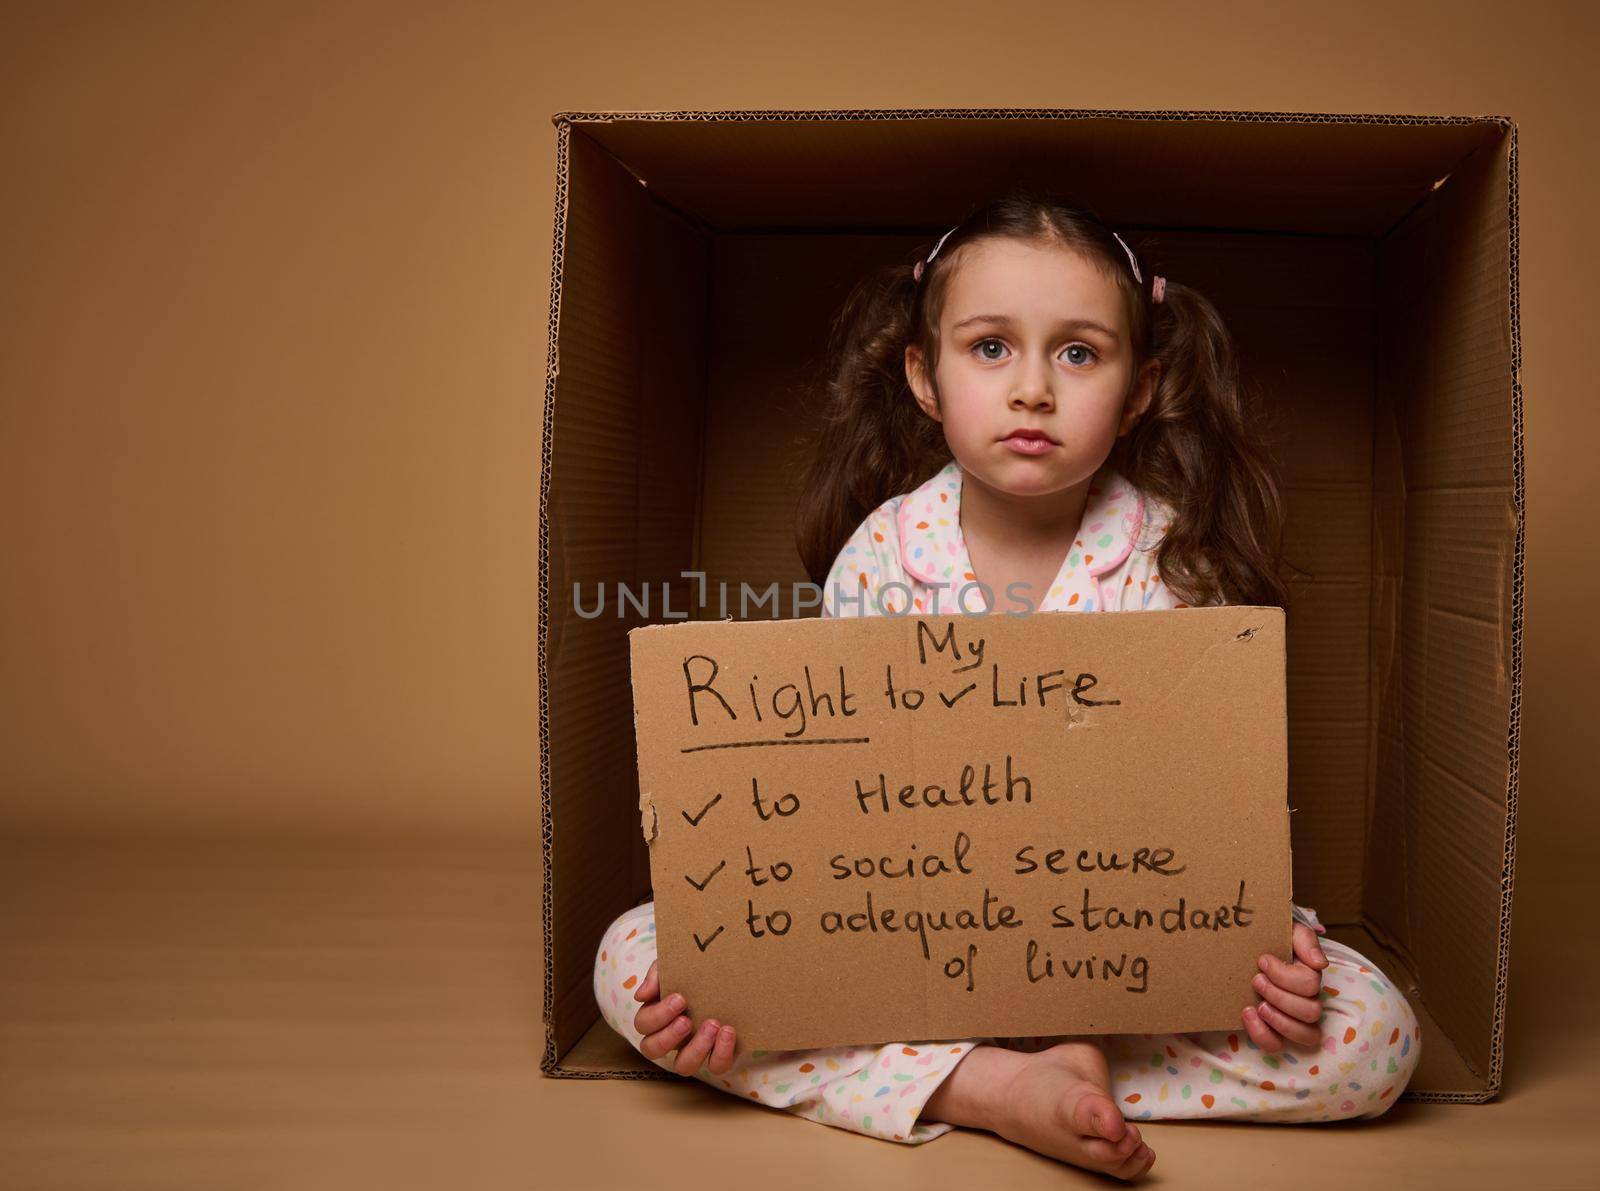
1032, 338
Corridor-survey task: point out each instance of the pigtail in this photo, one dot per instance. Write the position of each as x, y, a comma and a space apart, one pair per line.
873, 441
1197, 449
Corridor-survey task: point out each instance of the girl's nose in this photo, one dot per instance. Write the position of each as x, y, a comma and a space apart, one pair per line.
1033, 397
1033, 387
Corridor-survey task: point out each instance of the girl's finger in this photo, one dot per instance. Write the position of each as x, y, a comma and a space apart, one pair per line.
1297, 1032
648, 989
1295, 978
1308, 948
1301, 1008
658, 1014
1260, 1033
692, 1054
721, 1060
666, 1039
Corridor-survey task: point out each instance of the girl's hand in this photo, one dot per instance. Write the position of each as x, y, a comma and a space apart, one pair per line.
1291, 1011
664, 1027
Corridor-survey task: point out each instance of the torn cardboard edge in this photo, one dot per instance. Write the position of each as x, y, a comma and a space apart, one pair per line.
647, 817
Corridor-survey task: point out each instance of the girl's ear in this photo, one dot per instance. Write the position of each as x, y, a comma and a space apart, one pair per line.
917, 378
1140, 396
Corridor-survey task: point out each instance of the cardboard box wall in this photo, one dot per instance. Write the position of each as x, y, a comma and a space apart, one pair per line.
1367, 267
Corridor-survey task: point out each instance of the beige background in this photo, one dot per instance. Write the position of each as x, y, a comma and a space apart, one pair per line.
273, 297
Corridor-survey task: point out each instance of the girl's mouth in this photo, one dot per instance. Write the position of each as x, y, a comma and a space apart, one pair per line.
1029, 442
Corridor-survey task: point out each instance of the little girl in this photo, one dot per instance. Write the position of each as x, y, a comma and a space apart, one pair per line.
1024, 413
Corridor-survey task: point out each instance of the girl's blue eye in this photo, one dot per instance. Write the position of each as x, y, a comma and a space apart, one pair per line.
1079, 347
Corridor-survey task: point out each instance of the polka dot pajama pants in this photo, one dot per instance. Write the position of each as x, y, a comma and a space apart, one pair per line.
1370, 1045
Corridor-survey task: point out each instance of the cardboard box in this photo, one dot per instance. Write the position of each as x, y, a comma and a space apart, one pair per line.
1367, 267
998, 825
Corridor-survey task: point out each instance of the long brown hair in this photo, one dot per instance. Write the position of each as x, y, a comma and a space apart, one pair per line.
1195, 447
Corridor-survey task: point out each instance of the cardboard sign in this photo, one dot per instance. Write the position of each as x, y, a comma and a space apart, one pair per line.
882, 828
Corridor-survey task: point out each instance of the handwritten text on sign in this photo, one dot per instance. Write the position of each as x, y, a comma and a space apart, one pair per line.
864, 830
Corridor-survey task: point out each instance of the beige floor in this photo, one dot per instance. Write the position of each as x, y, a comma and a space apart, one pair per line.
308, 1016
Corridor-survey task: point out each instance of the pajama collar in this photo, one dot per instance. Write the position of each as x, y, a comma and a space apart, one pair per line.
934, 550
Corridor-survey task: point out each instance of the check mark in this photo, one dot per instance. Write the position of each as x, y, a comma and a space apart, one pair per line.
701, 885
694, 820
950, 701
708, 942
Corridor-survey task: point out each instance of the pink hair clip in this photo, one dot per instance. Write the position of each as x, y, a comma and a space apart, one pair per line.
1158, 284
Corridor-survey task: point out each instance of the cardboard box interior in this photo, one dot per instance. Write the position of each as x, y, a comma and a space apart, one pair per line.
1367, 268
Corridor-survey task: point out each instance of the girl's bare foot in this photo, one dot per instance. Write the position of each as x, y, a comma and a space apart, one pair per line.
1056, 1102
